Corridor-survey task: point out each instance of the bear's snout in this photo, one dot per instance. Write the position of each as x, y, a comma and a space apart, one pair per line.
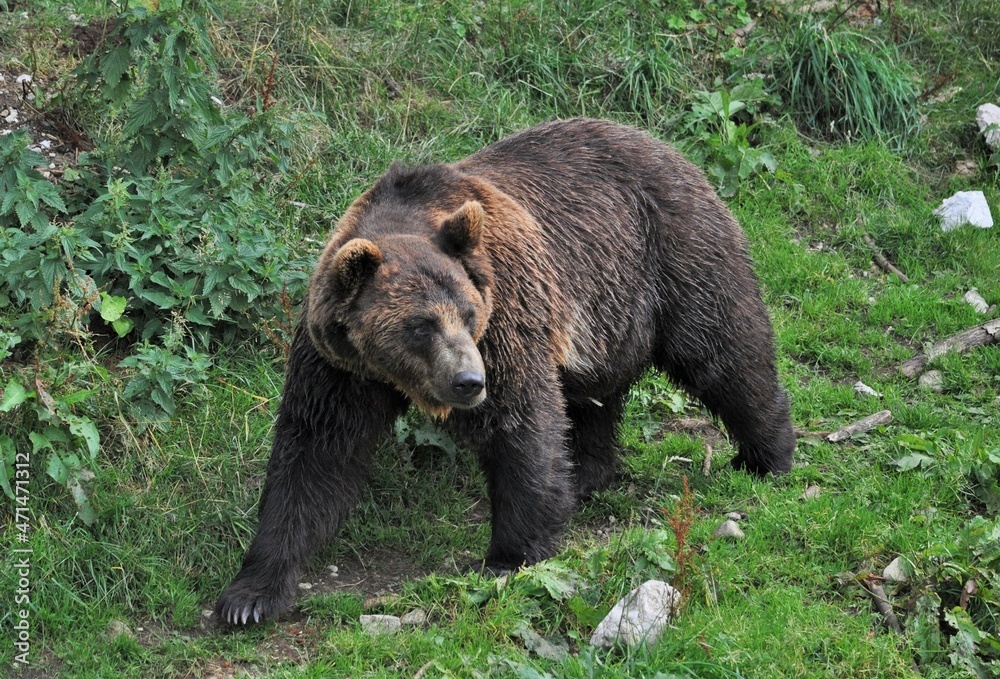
467, 384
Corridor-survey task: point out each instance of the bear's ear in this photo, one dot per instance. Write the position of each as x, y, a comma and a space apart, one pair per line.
460, 231
352, 265
340, 274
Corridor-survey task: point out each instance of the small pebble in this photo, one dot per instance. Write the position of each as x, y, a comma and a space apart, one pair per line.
896, 571
976, 300
380, 624
863, 389
932, 380
730, 530
810, 493
305, 585
415, 618
736, 516
118, 628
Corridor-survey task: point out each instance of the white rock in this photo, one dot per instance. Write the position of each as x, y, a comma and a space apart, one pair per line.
736, 516
897, 571
415, 618
639, 617
380, 624
976, 300
729, 529
965, 207
865, 390
932, 380
118, 628
988, 118
23, 78
12, 118
305, 585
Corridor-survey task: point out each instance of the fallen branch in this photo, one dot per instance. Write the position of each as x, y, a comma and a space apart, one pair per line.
706, 465
874, 589
883, 261
987, 333
860, 427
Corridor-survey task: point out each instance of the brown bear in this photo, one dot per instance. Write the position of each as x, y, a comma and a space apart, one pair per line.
515, 295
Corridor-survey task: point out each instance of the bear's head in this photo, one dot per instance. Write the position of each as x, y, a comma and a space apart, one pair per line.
409, 309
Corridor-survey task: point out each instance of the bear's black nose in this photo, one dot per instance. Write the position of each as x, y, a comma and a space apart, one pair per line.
467, 384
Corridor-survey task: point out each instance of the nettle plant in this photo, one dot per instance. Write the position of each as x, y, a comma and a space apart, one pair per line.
718, 133
162, 238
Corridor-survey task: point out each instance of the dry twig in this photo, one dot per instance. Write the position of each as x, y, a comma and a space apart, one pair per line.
883, 261
873, 587
860, 427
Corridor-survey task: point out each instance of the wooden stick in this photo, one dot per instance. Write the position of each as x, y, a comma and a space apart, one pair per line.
860, 427
987, 333
883, 262
706, 465
874, 589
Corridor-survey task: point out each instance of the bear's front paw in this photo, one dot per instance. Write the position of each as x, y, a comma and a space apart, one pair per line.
248, 601
490, 570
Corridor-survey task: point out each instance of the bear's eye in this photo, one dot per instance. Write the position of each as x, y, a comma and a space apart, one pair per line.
420, 328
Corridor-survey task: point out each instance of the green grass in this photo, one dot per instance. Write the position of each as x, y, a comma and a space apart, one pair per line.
384, 80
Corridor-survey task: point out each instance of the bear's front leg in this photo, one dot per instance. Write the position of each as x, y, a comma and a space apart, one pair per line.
521, 445
329, 425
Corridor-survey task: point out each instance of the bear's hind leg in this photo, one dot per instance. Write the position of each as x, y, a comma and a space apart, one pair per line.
329, 425
594, 442
741, 388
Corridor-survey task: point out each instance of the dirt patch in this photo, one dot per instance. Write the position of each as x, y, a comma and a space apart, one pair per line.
376, 574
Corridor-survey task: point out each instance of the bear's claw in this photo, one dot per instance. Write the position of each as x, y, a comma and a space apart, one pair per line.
242, 604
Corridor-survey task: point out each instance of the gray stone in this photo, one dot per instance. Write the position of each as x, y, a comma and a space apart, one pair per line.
639, 617
863, 389
976, 300
380, 624
897, 570
118, 628
729, 530
932, 380
811, 493
415, 618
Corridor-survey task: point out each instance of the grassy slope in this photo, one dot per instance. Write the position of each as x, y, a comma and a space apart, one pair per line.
177, 507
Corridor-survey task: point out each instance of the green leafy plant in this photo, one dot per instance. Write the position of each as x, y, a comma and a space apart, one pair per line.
162, 237
69, 440
954, 611
718, 133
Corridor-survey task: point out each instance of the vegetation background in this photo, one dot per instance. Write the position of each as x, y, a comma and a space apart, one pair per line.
170, 172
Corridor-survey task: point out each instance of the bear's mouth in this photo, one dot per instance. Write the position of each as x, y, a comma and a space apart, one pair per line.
439, 408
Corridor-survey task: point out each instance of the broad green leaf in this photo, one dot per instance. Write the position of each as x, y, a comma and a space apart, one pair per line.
87, 430
112, 307
7, 455
56, 469
14, 395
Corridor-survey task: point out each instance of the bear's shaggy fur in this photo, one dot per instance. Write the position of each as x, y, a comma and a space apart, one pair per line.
515, 295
